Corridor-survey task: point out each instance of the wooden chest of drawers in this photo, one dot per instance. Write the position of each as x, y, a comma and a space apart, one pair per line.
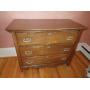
45, 42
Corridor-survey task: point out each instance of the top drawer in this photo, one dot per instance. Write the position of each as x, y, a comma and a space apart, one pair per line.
49, 37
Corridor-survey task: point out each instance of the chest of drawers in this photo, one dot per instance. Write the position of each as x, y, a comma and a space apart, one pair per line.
45, 42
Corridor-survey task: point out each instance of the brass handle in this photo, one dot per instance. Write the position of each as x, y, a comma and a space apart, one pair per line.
48, 46
27, 40
66, 49
47, 57
49, 33
70, 38
28, 53
25, 67
64, 58
28, 62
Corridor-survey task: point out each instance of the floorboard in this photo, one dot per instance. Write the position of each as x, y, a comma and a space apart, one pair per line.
9, 68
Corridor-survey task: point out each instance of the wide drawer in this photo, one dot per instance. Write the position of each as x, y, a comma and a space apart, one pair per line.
49, 37
35, 50
25, 66
40, 60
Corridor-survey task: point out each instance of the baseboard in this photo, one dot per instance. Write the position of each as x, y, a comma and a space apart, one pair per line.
9, 52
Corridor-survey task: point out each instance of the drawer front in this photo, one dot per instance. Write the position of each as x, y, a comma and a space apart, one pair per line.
40, 60
50, 37
36, 50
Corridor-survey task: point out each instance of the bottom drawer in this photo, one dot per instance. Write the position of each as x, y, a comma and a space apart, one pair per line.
42, 65
38, 61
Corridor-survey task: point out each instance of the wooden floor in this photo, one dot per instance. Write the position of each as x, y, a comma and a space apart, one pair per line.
9, 68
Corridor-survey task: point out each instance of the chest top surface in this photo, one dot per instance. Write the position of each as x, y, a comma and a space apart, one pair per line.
43, 24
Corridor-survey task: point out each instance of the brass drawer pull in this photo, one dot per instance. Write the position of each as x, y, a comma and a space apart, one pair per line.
49, 33
28, 53
27, 40
48, 46
70, 38
47, 57
66, 49
28, 62
25, 66
64, 58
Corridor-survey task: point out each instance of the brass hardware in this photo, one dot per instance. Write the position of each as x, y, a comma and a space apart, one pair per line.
27, 40
46, 56
64, 58
66, 49
48, 46
49, 33
25, 66
28, 52
70, 38
28, 62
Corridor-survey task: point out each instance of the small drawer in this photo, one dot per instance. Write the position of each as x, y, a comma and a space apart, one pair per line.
35, 50
38, 60
66, 36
